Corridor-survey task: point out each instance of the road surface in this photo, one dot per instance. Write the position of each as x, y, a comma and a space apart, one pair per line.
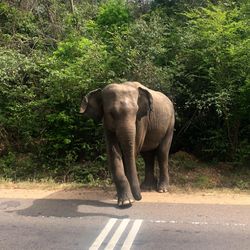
52, 223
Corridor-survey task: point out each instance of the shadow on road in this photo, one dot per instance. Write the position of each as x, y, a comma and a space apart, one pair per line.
53, 206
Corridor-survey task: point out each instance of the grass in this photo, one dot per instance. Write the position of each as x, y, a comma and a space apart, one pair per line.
48, 184
186, 173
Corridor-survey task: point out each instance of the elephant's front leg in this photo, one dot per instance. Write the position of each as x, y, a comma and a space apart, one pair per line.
124, 194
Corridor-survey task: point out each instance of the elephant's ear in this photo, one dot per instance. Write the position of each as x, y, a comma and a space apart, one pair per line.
84, 104
145, 102
91, 104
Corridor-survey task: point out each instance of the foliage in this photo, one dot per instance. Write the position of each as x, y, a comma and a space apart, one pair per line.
19, 86
139, 51
113, 14
214, 52
196, 52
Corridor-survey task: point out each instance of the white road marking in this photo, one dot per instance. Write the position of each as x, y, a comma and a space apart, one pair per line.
132, 234
199, 223
97, 243
117, 234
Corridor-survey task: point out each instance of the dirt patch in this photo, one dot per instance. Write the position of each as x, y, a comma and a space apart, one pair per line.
191, 197
198, 197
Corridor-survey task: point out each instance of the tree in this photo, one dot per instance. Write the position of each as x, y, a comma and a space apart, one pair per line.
213, 51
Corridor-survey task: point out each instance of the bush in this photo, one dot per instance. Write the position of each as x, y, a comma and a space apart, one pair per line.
213, 52
195, 52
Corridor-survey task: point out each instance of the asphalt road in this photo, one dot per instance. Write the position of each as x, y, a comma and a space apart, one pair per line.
92, 224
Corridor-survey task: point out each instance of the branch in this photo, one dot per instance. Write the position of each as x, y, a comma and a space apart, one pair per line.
72, 5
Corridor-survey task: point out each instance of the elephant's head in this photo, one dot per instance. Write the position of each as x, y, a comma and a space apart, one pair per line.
122, 106
92, 105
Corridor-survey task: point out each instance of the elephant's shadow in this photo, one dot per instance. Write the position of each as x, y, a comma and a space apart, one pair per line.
53, 206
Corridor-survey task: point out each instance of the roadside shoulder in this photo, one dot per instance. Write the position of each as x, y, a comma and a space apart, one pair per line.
223, 197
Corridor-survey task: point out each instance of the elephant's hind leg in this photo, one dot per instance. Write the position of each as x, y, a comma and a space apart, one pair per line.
150, 181
162, 156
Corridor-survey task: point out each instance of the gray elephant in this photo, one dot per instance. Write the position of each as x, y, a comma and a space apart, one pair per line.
136, 120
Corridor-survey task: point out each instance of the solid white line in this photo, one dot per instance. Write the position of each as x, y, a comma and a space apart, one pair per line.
97, 243
117, 234
132, 234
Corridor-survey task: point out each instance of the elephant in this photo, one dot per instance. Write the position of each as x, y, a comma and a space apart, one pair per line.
136, 120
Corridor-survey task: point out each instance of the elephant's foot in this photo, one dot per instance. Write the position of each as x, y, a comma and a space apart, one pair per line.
162, 187
149, 185
125, 201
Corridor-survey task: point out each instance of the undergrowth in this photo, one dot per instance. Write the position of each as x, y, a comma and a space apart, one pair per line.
186, 172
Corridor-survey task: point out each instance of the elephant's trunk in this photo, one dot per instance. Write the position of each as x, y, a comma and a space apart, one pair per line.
126, 137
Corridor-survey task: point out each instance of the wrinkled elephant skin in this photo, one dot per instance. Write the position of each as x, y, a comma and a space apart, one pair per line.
137, 120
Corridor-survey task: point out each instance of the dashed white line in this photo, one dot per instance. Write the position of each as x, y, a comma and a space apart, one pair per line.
97, 243
132, 234
198, 223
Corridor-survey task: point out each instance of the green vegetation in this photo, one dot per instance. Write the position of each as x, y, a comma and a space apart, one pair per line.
196, 52
186, 172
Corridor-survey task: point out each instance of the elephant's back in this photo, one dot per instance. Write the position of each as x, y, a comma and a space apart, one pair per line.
158, 97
